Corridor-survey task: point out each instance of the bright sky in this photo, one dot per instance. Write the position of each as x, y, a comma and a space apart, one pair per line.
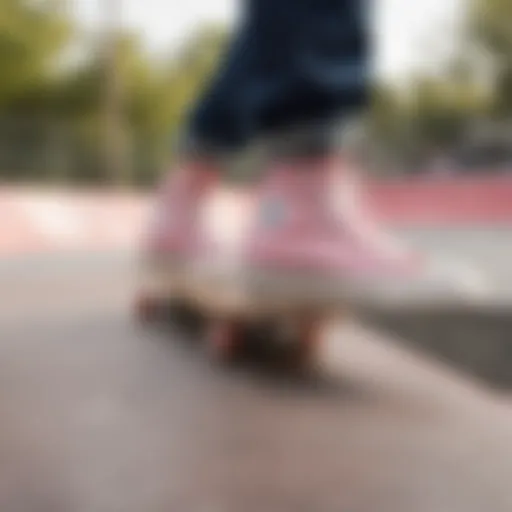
409, 33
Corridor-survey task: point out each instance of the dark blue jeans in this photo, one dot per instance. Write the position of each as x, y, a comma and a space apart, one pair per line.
291, 62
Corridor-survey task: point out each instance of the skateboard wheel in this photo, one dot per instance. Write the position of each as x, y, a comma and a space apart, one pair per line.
225, 341
147, 310
186, 318
306, 350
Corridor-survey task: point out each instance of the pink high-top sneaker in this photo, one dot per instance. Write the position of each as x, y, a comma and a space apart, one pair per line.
175, 230
313, 237
173, 236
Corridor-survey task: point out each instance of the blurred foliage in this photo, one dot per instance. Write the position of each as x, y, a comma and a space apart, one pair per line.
491, 29
408, 128
52, 107
154, 98
31, 36
57, 118
439, 116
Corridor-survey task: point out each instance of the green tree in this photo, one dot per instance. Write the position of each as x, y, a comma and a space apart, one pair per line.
490, 29
63, 106
156, 96
31, 35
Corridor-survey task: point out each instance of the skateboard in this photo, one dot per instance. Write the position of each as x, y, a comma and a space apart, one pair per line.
242, 315
234, 318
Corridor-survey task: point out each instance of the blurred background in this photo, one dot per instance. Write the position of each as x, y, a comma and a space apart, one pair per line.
100, 415
93, 91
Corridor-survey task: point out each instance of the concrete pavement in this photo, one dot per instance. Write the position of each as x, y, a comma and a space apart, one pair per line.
100, 416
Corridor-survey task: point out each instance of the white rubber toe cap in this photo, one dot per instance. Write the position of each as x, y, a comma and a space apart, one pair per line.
458, 278
443, 281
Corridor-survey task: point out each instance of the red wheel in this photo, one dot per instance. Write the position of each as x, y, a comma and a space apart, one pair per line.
147, 310
225, 340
